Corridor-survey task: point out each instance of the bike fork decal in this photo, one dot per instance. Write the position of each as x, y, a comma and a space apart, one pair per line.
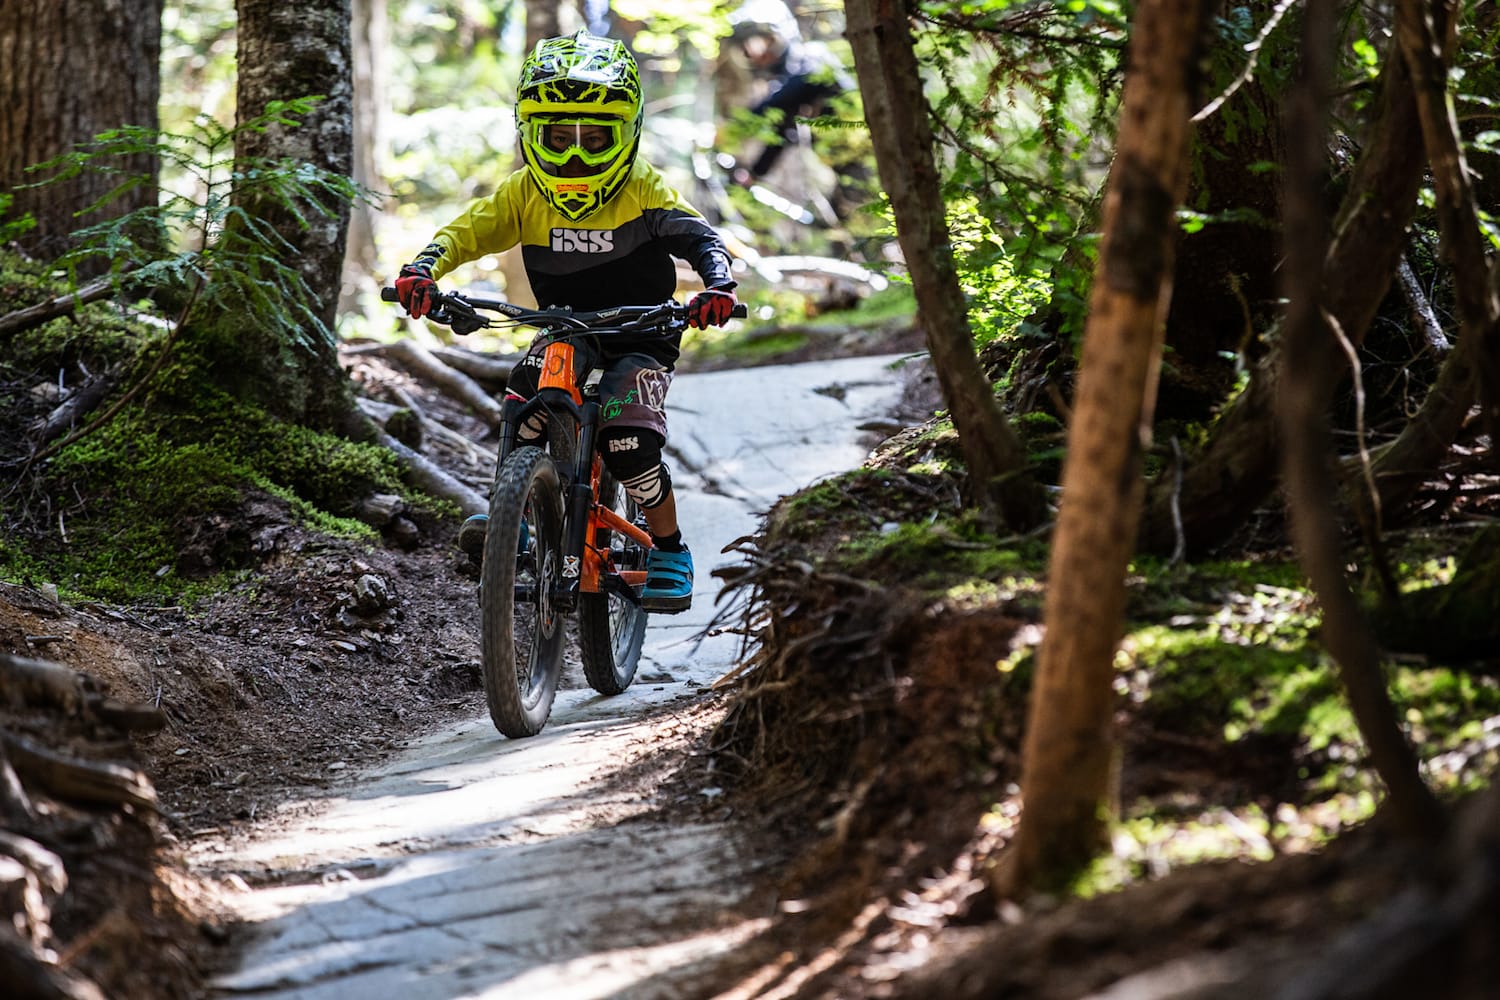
571, 567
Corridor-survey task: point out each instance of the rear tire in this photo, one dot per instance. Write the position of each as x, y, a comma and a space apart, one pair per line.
611, 629
521, 635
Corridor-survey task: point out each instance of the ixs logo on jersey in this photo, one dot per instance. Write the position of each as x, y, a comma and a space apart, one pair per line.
582, 241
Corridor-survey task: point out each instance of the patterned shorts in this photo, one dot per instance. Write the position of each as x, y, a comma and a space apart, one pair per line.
632, 387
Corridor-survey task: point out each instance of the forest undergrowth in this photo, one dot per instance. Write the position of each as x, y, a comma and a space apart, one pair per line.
875, 735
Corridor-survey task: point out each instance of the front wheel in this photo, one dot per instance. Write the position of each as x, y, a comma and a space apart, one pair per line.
611, 628
521, 635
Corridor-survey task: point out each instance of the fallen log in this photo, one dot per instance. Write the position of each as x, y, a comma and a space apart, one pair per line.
493, 369
73, 780
422, 364
84, 399
433, 479
25, 319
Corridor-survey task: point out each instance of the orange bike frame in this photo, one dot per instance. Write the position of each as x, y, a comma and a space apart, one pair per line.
558, 373
595, 560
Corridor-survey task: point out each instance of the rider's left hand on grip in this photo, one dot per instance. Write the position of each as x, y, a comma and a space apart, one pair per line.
711, 307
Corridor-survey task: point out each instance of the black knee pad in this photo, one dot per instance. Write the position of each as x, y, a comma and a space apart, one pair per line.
633, 457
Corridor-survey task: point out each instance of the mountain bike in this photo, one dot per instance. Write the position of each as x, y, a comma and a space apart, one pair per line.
563, 538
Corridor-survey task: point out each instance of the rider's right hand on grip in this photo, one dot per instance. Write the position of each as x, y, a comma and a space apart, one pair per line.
415, 288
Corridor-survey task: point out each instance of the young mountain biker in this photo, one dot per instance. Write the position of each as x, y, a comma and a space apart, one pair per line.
597, 226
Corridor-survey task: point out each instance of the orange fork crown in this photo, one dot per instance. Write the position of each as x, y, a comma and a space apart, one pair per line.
557, 370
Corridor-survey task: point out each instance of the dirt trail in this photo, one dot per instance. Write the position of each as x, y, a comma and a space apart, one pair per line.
469, 865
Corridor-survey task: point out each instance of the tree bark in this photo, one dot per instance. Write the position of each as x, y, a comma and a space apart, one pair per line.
1303, 406
71, 70
289, 51
1422, 40
1068, 757
1235, 472
1399, 469
891, 83
1224, 285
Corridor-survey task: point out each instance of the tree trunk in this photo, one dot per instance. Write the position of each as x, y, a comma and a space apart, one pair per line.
1235, 472
1303, 413
1463, 238
1224, 286
891, 84
288, 51
69, 70
369, 37
1067, 763
1400, 468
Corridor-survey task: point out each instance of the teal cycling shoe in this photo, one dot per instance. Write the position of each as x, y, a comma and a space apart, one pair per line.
669, 581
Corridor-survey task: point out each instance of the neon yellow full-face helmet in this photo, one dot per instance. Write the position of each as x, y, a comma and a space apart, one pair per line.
578, 111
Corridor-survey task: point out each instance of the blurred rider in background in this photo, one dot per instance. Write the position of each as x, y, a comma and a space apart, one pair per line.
802, 77
598, 227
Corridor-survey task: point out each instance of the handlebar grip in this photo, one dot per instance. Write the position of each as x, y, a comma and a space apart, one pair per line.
389, 295
740, 311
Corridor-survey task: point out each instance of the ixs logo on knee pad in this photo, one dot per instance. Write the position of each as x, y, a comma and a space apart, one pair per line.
624, 444
582, 241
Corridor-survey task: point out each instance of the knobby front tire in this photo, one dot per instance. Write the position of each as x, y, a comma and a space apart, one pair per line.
610, 627
521, 636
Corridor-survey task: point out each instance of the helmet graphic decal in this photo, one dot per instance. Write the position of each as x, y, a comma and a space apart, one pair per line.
578, 111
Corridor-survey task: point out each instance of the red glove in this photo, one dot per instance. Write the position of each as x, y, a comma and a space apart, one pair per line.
415, 288
708, 308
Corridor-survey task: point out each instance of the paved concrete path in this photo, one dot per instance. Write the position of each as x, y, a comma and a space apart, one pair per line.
475, 866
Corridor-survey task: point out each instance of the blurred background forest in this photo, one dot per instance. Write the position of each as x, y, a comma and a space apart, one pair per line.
434, 111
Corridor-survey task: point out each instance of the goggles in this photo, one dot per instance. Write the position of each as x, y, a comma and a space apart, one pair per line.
593, 141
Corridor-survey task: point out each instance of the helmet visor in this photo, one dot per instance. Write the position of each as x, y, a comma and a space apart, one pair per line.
571, 142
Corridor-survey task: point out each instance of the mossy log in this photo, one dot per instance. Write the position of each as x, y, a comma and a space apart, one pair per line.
25, 319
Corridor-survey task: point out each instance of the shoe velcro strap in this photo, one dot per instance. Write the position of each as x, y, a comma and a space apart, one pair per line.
669, 567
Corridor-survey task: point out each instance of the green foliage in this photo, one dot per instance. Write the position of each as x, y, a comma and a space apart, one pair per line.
11, 229
204, 247
1023, 99
1000, 298
150, 485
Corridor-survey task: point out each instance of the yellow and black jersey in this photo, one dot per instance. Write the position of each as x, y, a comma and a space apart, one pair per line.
620, 255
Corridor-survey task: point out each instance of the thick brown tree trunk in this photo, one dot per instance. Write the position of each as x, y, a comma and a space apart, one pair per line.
1224, 287
289, 51
1067, 764
891, 83
1236, 471
69, 70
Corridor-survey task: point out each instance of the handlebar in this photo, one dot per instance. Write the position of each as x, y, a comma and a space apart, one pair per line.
451, 307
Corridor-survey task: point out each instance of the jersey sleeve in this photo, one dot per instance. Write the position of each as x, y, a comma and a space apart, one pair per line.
488, 225
684, 232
